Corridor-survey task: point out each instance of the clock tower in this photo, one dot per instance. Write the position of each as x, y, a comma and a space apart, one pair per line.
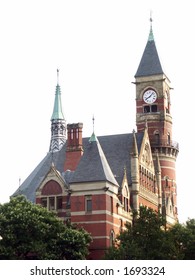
153, 109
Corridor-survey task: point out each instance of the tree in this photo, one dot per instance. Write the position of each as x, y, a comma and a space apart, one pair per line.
142, 239
183, 237
28, 231
148, 239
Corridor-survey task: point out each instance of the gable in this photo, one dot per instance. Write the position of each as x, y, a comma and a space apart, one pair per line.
145, 156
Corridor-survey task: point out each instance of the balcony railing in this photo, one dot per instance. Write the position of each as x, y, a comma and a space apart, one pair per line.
165, 143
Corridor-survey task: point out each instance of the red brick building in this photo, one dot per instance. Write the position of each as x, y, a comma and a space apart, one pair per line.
96, 182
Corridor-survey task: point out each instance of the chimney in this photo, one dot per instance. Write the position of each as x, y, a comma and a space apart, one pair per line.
74, 149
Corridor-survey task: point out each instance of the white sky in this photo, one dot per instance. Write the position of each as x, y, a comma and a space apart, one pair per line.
97, 45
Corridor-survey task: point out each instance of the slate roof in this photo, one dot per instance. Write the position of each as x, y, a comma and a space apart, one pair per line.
29, 186
104, 159
93, 166
150, 62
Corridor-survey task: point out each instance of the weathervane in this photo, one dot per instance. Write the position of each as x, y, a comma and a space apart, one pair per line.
151, 20
93, 119
58, 76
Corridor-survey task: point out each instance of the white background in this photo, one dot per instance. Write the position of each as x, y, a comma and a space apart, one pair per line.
97, 45
23, 269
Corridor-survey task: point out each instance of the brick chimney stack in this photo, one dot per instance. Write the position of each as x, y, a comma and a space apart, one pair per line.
74, 149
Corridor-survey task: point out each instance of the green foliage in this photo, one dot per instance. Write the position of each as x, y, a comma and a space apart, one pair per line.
28, 231
148, 239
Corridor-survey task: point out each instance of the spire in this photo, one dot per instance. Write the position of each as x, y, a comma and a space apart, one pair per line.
150, 62
57, 109
58, 123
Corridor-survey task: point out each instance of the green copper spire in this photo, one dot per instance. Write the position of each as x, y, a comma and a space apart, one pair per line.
58, 123
57, 110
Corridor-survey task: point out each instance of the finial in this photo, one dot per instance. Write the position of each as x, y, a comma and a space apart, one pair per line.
93, 119
151, 20
93, 137
58, 76
151, 37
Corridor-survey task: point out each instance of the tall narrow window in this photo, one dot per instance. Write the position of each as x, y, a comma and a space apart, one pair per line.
88, 203
157, 138
112, 238
51, 203
111, 204
168, 139
77, 133
71, 134
59, 202
44, 202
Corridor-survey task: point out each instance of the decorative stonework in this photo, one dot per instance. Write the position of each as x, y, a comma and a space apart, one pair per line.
58, 135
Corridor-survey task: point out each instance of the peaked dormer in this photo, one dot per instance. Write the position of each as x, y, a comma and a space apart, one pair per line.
93, 165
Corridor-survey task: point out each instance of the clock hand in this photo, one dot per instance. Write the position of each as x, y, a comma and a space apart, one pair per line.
149, 96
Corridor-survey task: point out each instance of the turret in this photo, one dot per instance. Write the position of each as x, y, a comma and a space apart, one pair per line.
58, 123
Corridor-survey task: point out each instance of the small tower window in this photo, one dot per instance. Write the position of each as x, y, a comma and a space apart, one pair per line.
150, 108
157, 138
146, 109
154, 108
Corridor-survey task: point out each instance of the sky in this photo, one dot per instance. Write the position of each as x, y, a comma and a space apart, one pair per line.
97, 45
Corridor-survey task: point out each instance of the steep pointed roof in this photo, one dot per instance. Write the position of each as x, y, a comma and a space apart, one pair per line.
57, 109
93, 165
150, 62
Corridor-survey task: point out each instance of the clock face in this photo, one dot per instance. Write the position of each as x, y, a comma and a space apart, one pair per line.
150, 96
